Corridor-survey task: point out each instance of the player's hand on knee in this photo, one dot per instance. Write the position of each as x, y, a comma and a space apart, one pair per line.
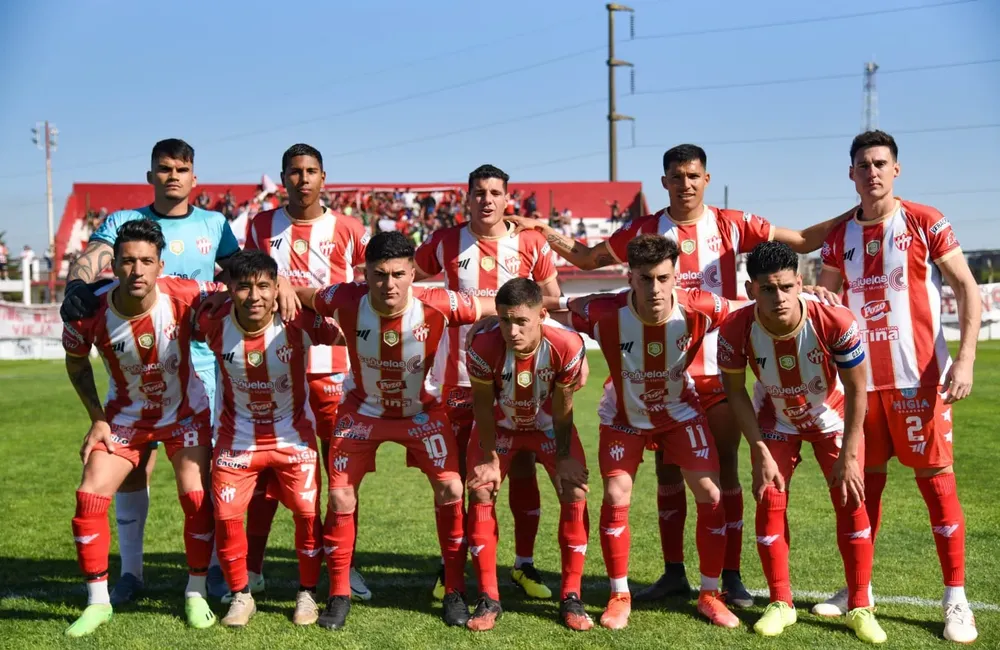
100, 432
765, 473
79, 301
287, 303
485, 475
570, 473
848, 478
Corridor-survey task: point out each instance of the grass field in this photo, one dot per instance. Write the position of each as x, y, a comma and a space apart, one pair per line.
41, 591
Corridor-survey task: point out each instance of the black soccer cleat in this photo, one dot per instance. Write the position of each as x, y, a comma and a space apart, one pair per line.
573, 615
488, 611
672, 584
334, 617
454, 609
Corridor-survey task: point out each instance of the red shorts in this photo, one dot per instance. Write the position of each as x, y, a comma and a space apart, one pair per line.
131, 444
786, 449
710, 391
457, 402
689, 445
913, 424
427, 436
236, 473
508, 442
325, 394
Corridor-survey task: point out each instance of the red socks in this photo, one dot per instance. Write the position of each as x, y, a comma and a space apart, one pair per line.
307, 545
616, 538
526, 506
874, 485
338, 545
710, 537
199, 531
948, 525
260, 515
671, 502
451, 537
574, 530
92, 535
732, 506
232, 549
772, 546
483, 535
854, 535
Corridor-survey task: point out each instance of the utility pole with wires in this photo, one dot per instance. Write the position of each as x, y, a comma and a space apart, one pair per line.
44, 136
869, 120
613, 116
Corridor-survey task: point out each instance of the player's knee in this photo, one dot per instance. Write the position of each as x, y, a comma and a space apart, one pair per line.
572, 495
877, 469
705, 487
342, 499
447, 491
523, 465
480, 495
136, 480
928, 472
618, 490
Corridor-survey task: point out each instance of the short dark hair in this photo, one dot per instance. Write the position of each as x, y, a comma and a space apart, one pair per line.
484, 172
650, 250
390, 245
300, 149
771, 257
874, 139
248, 264
172, 148
518, 292
684, 153
145, 230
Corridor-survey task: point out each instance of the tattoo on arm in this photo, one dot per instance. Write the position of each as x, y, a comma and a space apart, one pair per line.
563, 243
605, 260
96, 257
81, 375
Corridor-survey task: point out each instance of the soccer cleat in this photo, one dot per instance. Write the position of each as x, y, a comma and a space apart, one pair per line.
256, 582
712, 606
438, 592
777, 616
334, 617
306, 609
359, 588
673, 583
736, 593
486, 614
92, 618
454, 609
241, 608
199, 615
216, 583
959, 623
615, 616
573, 615
527, 578
862, 621
126, 590
832, 607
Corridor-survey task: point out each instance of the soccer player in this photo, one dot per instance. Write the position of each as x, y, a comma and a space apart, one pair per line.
392, 332
313, 247
266, 425
810, 368
890, 259
197, 240
709, 239
648, 336
477, 258
524, 374
142, 329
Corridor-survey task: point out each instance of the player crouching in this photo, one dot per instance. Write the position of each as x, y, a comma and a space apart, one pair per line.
523, 377
265, 424
810, 367
142, 330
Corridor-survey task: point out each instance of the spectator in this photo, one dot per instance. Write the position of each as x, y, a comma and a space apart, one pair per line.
531, 204
581, 230
615, 214
3, 261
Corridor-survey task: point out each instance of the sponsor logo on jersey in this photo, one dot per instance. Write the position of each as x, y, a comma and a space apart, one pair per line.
940, 225
421, 332
524, 379
826, 251
390, 385
391, 338
262, 408
815, 386
170, 365
413, 365
204, 245
876, 310
910, 405
281, 385
894, 280
326, 247
951, 240
848, 336
714, 243
688, 246
796, 411
488, 264
300, 246
700, 279
787, 362
654, 349
655, 395
816, 356
176, 246
626, 347
902, 241
284, 353
908, 393
873, 247
503, 444
255, 358
234, 459
153, 388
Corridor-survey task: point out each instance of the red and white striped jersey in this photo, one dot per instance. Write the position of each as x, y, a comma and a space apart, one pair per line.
798, 389
709, 246
152, 384
313, 254
523, 384
478, 266
261, 382
893, 286
649, 386
392, 354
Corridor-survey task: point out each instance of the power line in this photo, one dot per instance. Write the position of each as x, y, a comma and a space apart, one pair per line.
850, 196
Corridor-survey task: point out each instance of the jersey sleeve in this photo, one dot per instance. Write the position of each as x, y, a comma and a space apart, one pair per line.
829, 254
329, 299
844, 338
732, 355
479, 358
618, 241
251, 243
941, 240
753, 230
714, 307
361, 237
458, 307
574, 354
107, 232
426, 257
586, 323
228, 244
544, 269
78, 337
320, 330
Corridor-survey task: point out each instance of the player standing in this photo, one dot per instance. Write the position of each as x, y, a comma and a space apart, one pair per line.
392, 332
890, 259
524, 374
477, 258
142, 329
313, 247
709, 239
810, 368
266, 424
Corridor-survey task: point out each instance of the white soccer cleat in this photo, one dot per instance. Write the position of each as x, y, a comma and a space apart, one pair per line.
832, 607
959, 623
257, 585
359, 589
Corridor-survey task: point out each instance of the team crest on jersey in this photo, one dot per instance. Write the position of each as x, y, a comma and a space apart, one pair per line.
683, 342
903, 241
715, 243
873, 246
146, 341
420, 332
326, 247
300, 246
816, 356
488, 264
545, 375
655, 348
524, 379
787, 362
391, 338
204, 245
512, 264
172, 331
284, 353
255, 358
688, 246
176, 246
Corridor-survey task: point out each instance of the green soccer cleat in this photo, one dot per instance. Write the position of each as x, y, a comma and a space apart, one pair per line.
862, 621
199, 614
92, 618
777, 616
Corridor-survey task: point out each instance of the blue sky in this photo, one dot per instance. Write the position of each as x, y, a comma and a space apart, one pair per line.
239, 83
